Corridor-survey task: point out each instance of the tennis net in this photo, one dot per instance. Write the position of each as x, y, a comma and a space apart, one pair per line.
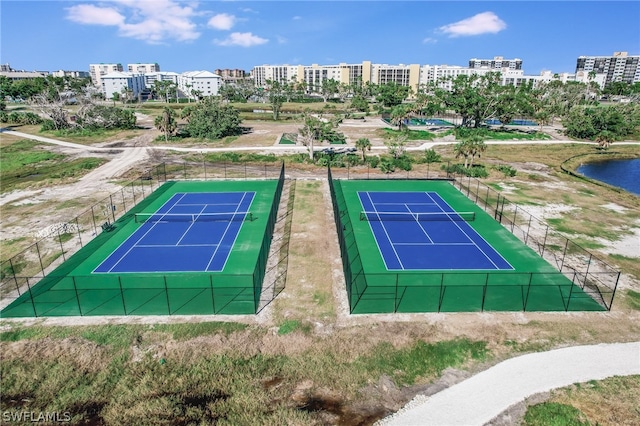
417, 217
195, 217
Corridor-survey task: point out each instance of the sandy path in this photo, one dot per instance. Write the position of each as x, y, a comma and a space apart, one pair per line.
484, 396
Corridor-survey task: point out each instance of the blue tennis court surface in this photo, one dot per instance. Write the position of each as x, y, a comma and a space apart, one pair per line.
191, 232
439, 241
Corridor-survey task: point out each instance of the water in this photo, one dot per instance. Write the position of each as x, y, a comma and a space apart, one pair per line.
621, 173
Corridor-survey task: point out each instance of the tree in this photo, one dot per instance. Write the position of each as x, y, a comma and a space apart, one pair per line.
387, 165
166, 122
391, 94
276, 97
400, 115
310, 132
475, 97
605, 139
210, 119
469, 148
317, 130
363, 144
397, 146
359, 103
328, 89
106, 117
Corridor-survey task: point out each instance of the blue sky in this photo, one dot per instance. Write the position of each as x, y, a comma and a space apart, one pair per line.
205, 35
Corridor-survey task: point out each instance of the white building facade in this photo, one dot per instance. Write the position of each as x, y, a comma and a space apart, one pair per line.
204, 83
121, 82
98, 70
143, 68
619, 67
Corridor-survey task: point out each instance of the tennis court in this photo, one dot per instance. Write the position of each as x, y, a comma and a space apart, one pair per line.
189, 248
191, 232
423, 246
419, 230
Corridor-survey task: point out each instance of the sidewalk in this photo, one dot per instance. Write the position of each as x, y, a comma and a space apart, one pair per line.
484, 396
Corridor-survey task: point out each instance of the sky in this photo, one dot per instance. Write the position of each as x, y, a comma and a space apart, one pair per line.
206, 35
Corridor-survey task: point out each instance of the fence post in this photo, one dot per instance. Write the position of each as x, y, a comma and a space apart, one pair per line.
124, 305
564, 253
225, 169
484, 291
15, 279
61, 246
213, 300
204, 165
33, 303
93, 217
124, 204
113, 214
515, 214
166, 292
544, 241
73, 279
40, 258
184, 166
477, 190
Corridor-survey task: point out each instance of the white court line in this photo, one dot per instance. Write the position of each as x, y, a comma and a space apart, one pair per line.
385, 232
253, 197
139, 239
184, 234
224, 234
424, 231
471, 239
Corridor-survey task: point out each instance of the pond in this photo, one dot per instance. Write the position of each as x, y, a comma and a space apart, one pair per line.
624, 174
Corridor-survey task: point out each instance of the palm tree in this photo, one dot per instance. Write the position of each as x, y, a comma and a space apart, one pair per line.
363, 144
166, 122
463, 149
604, 139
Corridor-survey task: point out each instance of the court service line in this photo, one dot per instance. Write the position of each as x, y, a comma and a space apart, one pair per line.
246, 210
139, 239
224, 234
471, 239
385, 232
184, 234
424, 231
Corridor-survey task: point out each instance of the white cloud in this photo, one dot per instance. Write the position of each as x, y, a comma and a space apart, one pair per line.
241, 39
482, 23
151, 21
222, 21
89, 14
281, 40
429, 40
296, 18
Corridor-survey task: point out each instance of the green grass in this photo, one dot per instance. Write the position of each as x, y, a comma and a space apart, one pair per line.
554, 414
412, 135
633, 299
289, 326
190, 331
228, 387
25, 162
422, 359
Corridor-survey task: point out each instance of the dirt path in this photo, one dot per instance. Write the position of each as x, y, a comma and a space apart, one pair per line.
479, 399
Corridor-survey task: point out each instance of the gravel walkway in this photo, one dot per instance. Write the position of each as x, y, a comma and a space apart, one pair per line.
484, 396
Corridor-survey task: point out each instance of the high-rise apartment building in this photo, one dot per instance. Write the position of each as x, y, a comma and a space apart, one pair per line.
619, 67
99, 70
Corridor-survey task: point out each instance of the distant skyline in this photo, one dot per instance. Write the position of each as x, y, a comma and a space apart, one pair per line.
206, 35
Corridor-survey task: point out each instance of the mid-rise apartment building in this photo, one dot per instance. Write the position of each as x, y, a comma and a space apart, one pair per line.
497, 63
120, 82
618, 67
73, 74
152, 77
98, 70
143, 68
204, 83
